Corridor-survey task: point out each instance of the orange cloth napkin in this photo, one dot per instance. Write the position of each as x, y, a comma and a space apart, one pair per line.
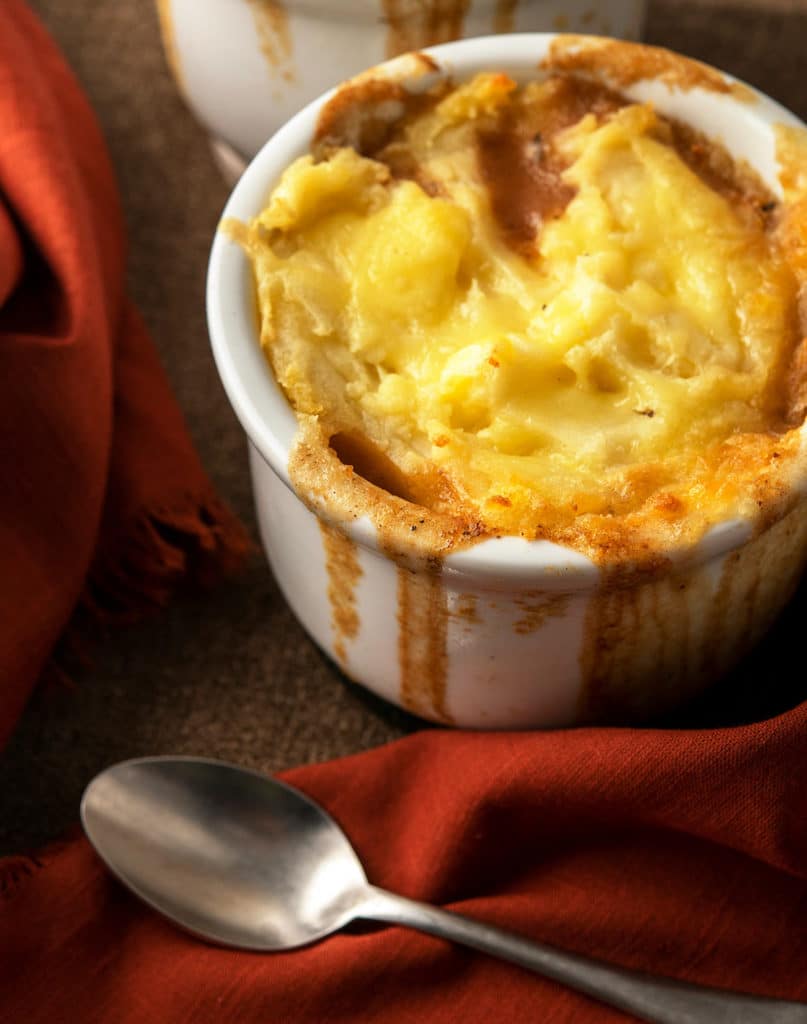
675, 852
681, 852
103, 502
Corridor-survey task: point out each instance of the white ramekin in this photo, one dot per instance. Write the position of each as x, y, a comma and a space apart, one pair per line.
532, 634
245, 66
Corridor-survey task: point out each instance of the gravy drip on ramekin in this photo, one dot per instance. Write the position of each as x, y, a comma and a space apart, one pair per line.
422, 632
274, 37
414, 24
344, 572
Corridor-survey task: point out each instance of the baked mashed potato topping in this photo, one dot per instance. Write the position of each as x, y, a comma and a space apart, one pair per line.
541, 309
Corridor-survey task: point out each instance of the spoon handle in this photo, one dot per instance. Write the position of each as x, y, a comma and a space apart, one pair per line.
661, 1000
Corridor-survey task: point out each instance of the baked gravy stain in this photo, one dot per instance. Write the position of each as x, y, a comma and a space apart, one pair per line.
517, 161
422, 633
407, 531
523, 174
623, 64
344, 573
274, 36
504, 16
465, 608
367, 111
412, 24
536, 607
626, 633
733, 179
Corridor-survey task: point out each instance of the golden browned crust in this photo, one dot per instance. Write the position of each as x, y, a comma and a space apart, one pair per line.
623, 64
408, 530
366, 110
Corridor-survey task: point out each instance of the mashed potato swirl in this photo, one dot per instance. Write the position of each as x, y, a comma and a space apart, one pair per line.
613, 346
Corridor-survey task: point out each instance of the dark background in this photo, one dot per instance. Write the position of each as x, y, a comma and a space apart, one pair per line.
231, 674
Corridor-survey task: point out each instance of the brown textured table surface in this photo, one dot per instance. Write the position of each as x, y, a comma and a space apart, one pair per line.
231, 674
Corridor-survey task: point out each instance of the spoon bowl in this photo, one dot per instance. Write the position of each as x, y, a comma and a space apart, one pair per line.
246, 861
224, 852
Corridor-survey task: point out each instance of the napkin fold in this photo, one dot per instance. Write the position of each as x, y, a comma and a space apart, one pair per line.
104, 506
676, 852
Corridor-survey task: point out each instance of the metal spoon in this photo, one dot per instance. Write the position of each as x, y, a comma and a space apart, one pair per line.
246, 861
